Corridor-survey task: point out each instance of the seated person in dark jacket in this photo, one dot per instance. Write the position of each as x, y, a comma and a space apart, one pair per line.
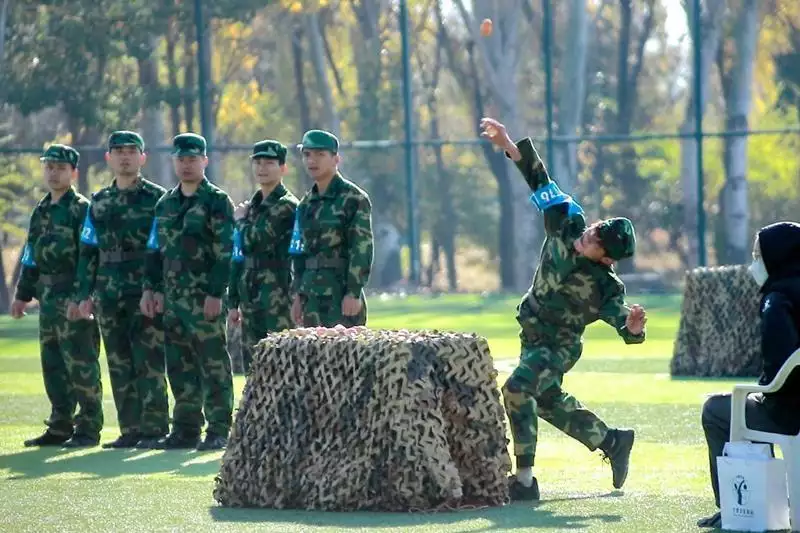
776, 268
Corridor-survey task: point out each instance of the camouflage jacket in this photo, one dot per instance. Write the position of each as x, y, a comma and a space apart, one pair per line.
261, 269
333, 246
190, 242
50, 256
568, 292
114, 241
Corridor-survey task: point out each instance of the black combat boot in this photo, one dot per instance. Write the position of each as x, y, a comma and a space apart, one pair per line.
617, 450
127, 440
48, 439
520, 492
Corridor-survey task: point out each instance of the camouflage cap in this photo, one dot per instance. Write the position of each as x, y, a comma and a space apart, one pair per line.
320, 140
269, 149
125, 138
61, 153
188, 144
618, 237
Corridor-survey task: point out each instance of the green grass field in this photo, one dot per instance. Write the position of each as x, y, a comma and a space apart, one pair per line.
102, 490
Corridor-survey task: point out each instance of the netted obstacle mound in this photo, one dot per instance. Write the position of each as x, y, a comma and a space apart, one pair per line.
719, 331
347, 419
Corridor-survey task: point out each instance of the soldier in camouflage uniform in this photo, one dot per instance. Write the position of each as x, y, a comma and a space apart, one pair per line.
191, 240
112, 264
259, 290
332, 242
70, 345
574, 286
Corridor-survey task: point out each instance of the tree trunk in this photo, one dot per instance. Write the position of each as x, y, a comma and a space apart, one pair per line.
189, 80
711, 21
172, 77
152, 125
3, 19
5, 290
501, 54
571, 96
318, 60
302, 96
734, 196
372, 123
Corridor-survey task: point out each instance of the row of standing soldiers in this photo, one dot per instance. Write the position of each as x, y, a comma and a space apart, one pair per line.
160, 267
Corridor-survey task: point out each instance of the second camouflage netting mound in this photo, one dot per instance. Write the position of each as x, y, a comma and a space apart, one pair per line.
345, 419
719, 327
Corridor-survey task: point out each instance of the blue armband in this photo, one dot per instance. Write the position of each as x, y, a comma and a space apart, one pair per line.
88, 233
296, 245
152, 240
238, 255
548, 196
27, 257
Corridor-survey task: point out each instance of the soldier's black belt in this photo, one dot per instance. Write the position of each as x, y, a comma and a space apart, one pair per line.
56, 279
184, 265
263, 263
319, 263
121, 256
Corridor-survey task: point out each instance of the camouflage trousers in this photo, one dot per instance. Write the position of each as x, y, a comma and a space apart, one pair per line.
534, 390
257, 324
325, 311
198, 366
135, 351
70, 354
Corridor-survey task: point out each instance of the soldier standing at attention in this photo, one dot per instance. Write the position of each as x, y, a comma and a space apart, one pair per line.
332, 241
574, 286
259, 290
112, 264
191, 241
70, 346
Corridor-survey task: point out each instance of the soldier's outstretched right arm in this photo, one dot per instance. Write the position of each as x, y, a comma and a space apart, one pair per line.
26, 286
557, 206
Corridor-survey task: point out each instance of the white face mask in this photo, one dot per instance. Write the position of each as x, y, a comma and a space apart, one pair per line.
759, 271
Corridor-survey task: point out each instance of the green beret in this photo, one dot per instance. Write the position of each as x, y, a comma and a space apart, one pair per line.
320, 140
125, 138
269, 149
188, 144
618, 237
61, 153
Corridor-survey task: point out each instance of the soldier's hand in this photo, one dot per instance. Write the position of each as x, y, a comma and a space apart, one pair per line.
158, 302
297, 311
73, 313
86, 309
636, 320
234, 317
496, 132
212, 307
351, 306
147, 304
241, 210
18, 308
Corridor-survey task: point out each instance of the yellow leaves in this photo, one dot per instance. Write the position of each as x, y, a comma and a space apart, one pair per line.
237, 105
297, 6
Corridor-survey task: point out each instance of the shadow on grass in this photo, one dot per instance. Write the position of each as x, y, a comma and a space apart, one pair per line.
522, 516
99, 463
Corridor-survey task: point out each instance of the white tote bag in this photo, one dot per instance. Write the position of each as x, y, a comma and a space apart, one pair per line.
753, 495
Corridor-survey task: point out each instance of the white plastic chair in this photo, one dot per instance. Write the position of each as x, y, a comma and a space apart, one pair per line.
789, 444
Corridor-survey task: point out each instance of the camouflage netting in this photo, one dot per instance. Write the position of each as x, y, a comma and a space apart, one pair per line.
719, 328
346, 419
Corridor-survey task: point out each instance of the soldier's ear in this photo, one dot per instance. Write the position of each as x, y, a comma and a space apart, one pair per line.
283, 169
142, 159
108, 157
